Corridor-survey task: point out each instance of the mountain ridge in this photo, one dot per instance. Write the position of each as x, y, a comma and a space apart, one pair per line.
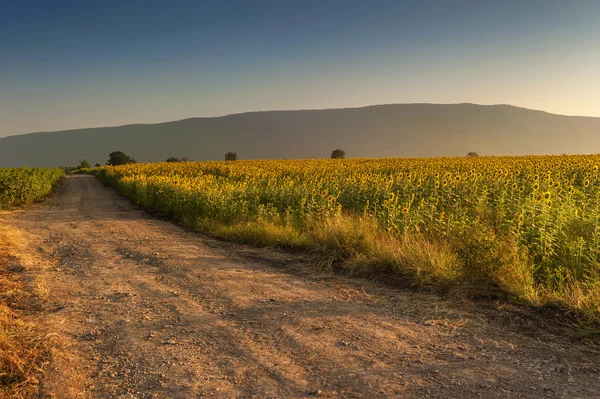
302, 110
385, 130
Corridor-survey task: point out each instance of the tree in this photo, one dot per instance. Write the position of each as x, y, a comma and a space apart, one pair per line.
84, 164
338, 154
119, 158
97, 165
231, 156
472, 154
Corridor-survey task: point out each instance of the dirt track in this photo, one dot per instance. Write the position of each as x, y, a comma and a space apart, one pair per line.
156, 311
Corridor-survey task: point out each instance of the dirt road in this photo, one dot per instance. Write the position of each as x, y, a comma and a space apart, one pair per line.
155, 311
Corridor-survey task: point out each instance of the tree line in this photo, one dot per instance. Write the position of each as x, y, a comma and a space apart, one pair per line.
120, 158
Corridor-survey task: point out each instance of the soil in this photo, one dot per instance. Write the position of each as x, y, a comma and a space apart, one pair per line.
147, 309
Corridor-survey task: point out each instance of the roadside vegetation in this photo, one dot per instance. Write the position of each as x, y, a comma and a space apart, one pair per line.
526, 228
25, 185
23, 348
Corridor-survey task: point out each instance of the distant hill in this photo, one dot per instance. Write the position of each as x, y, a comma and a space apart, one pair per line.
397, 130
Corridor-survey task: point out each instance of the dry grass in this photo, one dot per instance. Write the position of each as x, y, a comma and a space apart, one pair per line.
476, 266
23, 348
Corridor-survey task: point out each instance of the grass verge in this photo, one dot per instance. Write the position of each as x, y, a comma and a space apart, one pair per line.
459, 266
24, 349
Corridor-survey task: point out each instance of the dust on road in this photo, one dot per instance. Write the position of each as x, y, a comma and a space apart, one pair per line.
156, 311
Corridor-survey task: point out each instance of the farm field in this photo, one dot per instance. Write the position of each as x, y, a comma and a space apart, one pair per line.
526, 227
24, 185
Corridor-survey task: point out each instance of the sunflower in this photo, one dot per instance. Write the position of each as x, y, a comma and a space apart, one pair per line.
536, 187
586, 183
547, 195
514, 186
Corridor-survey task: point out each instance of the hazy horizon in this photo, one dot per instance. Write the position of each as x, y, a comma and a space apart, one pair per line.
69, 65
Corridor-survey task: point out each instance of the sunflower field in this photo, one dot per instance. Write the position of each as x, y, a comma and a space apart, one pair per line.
528, 226
19, 186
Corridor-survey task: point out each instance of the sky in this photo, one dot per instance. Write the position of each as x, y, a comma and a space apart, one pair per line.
75, 64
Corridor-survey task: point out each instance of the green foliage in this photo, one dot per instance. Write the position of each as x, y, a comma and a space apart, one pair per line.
231, 156
119, 158
19, 186
338, 154
84, 164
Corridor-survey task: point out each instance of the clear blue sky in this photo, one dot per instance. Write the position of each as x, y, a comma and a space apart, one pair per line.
69, 64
